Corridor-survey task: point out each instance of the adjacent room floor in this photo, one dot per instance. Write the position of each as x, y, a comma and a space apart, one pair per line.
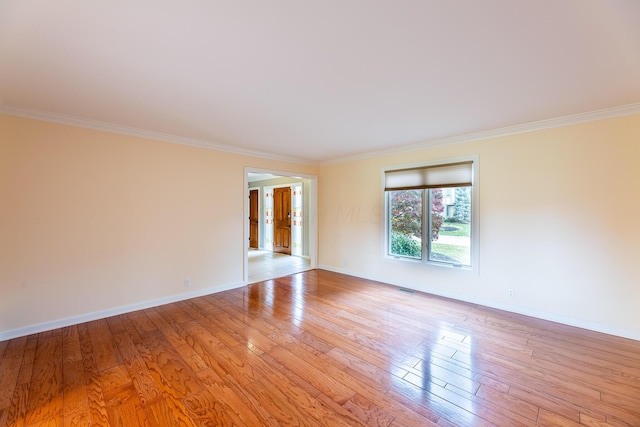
265, 265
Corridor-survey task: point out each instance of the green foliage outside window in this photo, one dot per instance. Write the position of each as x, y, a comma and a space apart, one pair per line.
403, 245
462, 205
406, 212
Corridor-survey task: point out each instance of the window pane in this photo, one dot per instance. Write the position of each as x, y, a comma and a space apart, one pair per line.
405, 223
450, 225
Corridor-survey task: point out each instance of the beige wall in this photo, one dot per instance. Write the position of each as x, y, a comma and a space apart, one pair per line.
91, 221
559, 223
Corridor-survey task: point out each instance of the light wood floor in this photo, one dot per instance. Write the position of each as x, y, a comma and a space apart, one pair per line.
319, 348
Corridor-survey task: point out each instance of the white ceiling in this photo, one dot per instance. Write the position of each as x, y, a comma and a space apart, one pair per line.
317, 80
253, 177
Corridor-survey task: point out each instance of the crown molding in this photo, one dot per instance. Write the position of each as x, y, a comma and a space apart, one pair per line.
573, 119
142, 133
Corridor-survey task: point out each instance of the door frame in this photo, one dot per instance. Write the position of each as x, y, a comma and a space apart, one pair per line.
311, 216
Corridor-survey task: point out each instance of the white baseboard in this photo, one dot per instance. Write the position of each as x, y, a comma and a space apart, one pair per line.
578, 323
87, 317
102, 314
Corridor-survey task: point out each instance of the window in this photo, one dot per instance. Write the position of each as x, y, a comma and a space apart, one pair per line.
431, 215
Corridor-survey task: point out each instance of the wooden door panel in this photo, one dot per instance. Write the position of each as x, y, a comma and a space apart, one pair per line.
282, 220
253, 219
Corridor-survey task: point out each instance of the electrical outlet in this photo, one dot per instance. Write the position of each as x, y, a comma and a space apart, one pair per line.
187, 283
511, 293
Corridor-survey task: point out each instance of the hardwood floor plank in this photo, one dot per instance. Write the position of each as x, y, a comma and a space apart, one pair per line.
241, 393
313, 375
387, 362
434, 373
465, 377
506, 404
170, 329
116, 377
605, 383
217, 356
97, 406
123, 406
369, 413
105, 352
28, 357
364, 370
278, 406
312, 407
10, 367
422, 402
148, 391
521, 373
589, 421
543, 401
168, 370
320, 348
518, 413
75, 396
588, 341
371, 382
290, 375
613, 371
219, 401
171, 397
174, 313
258, 341
204, 409
551, 419
15, 414
142, 322
160, 414
3, 347
45, 392
556, 385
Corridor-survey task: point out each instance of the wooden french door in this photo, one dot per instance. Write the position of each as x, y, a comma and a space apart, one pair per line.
282, 220
253, 219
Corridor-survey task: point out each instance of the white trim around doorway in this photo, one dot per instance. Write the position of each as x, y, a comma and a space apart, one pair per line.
310, 216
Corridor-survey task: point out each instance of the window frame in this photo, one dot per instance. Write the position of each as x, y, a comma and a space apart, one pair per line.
426, 209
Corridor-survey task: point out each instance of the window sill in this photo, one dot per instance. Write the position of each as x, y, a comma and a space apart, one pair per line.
429, 264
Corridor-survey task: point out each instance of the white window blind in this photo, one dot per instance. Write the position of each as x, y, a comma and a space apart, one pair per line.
437, 176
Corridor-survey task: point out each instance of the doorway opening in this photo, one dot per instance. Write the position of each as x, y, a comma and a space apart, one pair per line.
281, 227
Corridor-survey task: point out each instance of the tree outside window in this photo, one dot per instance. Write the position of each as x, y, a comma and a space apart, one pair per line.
433, 200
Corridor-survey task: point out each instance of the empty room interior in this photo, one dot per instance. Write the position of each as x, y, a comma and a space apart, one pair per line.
408, 213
